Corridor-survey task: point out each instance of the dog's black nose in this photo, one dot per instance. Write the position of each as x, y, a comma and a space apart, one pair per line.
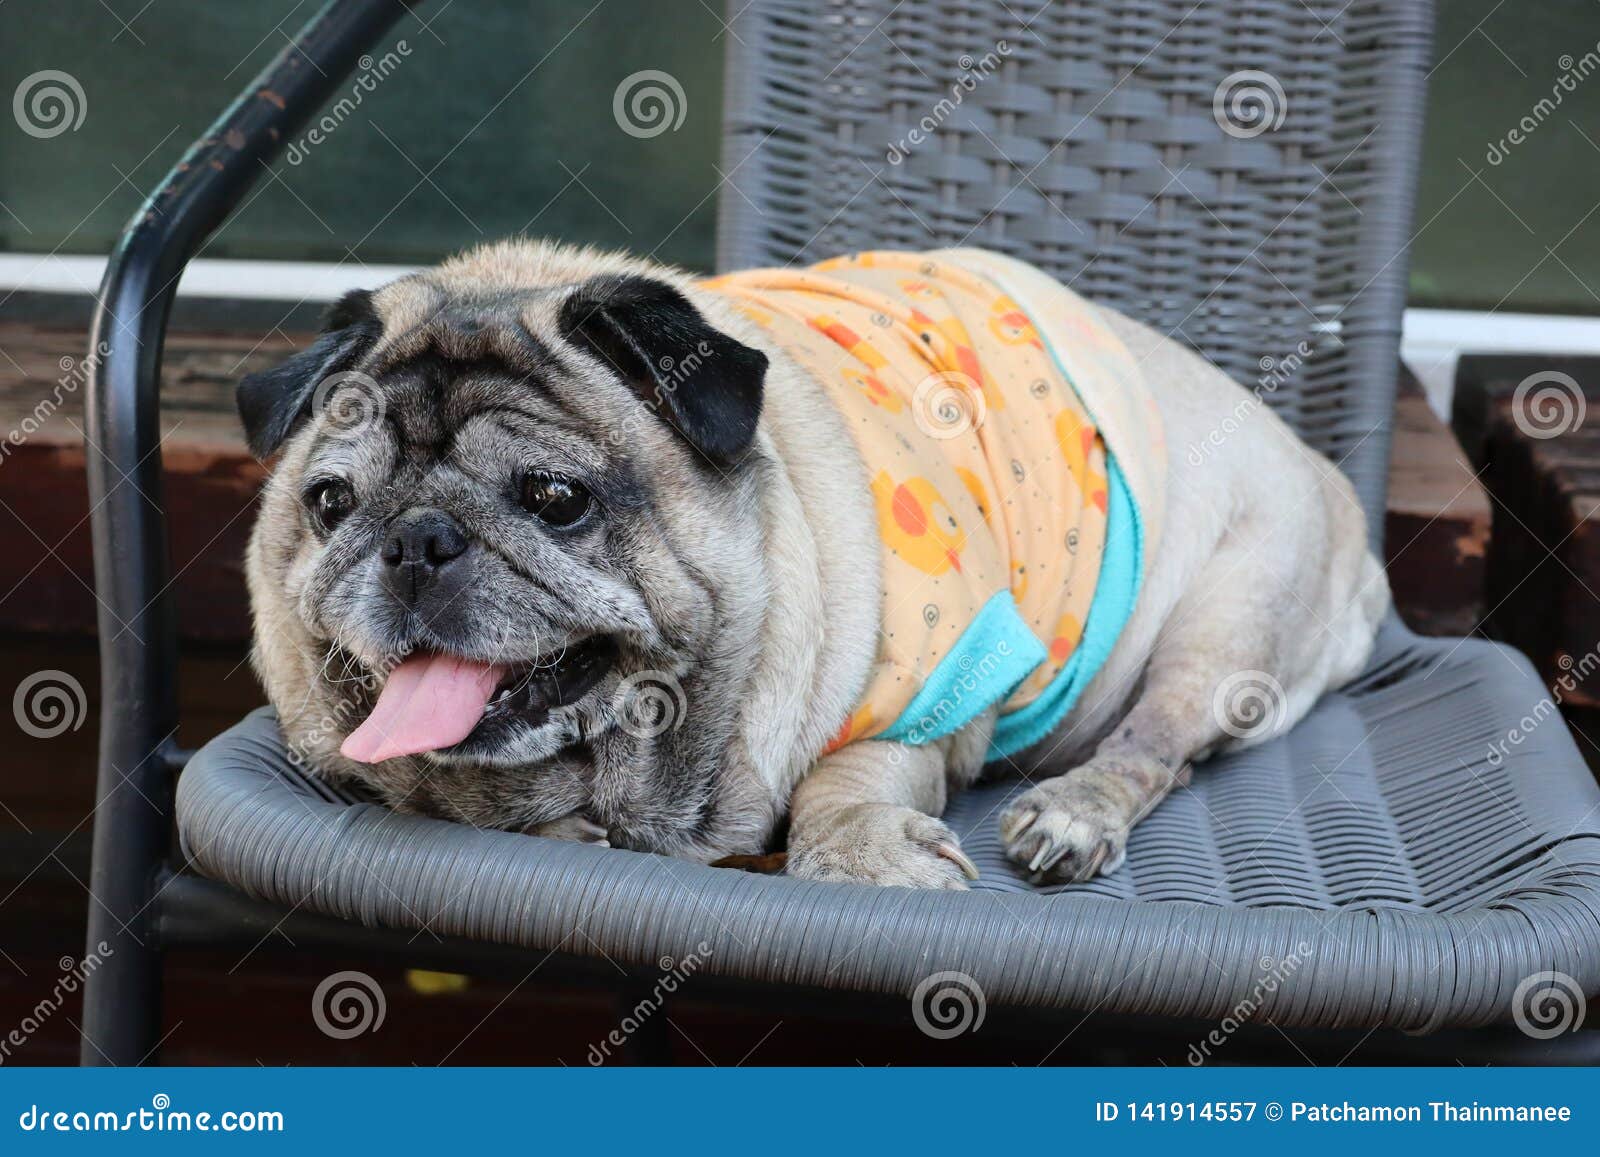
421, 544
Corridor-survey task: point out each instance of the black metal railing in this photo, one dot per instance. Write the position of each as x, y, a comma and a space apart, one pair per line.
137, 623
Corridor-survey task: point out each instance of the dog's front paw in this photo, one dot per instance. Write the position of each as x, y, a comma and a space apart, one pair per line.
1069, 828
881, 844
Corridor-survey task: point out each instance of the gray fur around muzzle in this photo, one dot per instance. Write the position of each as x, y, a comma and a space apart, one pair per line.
493, 516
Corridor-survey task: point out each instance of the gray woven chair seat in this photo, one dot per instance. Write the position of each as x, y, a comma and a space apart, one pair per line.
1405, 857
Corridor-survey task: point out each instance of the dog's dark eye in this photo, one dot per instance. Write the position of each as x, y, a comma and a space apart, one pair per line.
331, 502
558, 501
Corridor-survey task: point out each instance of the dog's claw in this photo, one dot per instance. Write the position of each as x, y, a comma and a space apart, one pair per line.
1015, 824
1065, 830
959, 858
1043, 863
578, 829
885, 844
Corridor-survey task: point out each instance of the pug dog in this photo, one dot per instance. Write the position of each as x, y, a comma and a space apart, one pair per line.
565, 542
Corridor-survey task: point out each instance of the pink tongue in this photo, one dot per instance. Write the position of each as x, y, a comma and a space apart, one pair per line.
429, 702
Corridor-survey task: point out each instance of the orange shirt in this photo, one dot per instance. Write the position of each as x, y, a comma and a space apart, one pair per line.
998, 417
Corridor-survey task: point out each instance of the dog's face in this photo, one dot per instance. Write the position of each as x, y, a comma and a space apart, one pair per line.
507, 535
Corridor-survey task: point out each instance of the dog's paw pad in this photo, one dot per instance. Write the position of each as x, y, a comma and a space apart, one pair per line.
885, 845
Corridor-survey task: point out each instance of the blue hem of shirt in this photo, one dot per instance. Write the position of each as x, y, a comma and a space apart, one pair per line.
1114, 594
950, 699
994, 654
997, 651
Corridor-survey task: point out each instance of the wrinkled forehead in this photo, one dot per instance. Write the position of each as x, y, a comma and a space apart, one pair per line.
515, 325
498, 399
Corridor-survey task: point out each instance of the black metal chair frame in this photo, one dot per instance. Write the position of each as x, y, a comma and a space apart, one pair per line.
139, 904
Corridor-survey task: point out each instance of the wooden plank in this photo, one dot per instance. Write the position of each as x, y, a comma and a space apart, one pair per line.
1544, 565
1486, 383
46, 579
1436, 531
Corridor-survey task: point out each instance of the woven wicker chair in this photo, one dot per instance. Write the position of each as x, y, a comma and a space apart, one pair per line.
1412, 850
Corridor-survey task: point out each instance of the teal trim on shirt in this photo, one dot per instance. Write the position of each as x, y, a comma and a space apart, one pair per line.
1115, 592
949, 699
994, 654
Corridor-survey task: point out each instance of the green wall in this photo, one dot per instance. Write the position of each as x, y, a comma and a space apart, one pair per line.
550, 159
1490, 211
412, 174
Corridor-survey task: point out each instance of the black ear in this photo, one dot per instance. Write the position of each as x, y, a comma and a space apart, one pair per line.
704, 383
273, 402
